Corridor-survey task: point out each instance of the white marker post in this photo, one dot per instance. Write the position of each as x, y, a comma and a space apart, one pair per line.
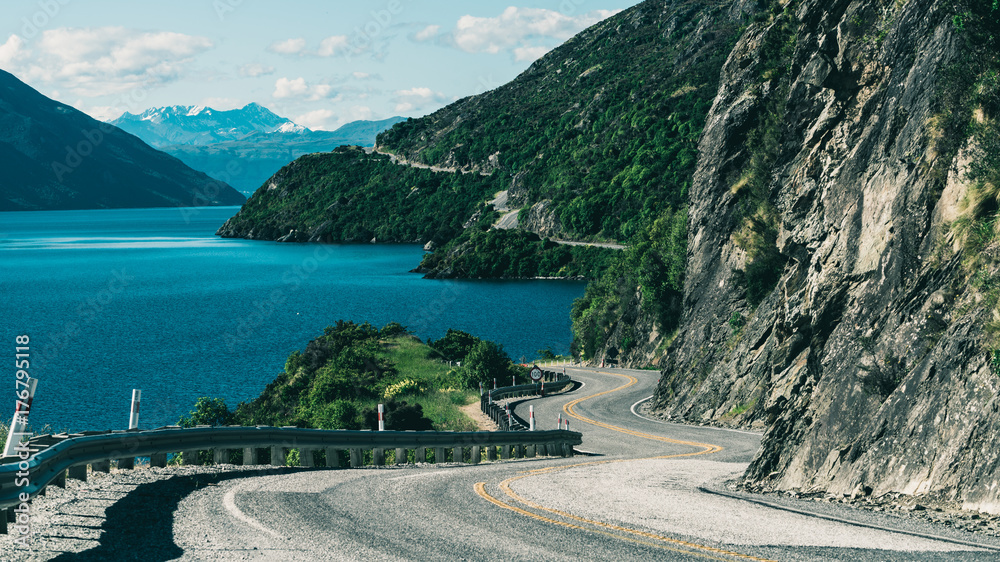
531, 418
512, 381
559, 422
133, 419
20, 421
567, 424
510, 418
381, 417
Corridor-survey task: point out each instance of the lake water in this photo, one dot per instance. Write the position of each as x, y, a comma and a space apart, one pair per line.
120, 299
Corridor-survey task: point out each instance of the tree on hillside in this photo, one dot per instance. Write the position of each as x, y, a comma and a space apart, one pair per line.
455, 345
485, 362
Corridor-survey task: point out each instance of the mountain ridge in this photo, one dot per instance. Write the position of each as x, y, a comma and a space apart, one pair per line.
242, 147
56, 157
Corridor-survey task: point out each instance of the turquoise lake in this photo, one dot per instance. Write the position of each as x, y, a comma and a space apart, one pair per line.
151, 299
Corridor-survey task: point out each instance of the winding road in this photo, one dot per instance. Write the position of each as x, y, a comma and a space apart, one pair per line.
643, 491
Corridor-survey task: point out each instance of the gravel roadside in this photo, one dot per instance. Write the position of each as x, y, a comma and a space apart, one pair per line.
83, 520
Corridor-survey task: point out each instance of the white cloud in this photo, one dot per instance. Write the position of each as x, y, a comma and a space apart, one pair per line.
334, 45
519, 30
299, 88
361, 112
253, 70
98, 61
426, 33
418, 98
364, 76
529, 53
288, 46
317, 120
12, 50
285, 88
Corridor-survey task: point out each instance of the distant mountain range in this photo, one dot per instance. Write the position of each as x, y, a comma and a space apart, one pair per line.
55, 157
243, 147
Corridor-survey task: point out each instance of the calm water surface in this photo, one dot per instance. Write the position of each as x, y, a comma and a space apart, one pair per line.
151, 299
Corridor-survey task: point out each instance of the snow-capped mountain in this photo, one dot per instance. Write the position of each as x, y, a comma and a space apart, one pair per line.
197, 125
242, 147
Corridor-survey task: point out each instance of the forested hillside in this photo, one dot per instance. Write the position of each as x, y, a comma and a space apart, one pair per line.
595, 141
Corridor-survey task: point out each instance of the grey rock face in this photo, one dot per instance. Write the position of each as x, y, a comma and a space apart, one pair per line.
865, 364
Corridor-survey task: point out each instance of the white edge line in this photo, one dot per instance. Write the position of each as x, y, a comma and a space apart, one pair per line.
229, 502
638, 415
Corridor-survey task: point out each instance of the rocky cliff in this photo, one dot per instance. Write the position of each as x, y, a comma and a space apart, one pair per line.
839, 278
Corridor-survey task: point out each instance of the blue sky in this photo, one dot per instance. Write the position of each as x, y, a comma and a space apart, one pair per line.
320, 63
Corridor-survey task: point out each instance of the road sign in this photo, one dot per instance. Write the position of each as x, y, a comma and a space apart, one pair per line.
536, 373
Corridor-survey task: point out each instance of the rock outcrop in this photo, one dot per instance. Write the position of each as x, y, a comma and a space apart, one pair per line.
866, 362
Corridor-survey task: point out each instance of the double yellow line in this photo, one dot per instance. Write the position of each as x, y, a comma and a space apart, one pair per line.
570, 409
637, 536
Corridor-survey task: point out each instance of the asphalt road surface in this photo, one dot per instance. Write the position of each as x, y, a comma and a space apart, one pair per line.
637, 495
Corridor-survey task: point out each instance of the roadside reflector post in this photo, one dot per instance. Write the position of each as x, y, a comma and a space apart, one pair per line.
513, 382
381, 417
133, 419
494, 383
559, 422
531, 418
20, 421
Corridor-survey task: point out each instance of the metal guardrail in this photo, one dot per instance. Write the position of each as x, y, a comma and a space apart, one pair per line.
50, 456
552, 381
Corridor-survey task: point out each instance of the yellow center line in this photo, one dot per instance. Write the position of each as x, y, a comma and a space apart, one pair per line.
480, 488
569, 408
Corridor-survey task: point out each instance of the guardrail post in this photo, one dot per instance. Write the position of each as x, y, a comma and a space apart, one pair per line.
458, 454
127, 463
158, 460
567, 450
190, 458
101, 466
504, 452
9, 515
220, 456
378, 457
519, 451
306, 458
3, 524
277, 456
400, 456
540, 450
78, 472
60, 480
438, 455
250, 456
491, 452
356, 458
476, 454
332, 457
529, 451
420, 454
